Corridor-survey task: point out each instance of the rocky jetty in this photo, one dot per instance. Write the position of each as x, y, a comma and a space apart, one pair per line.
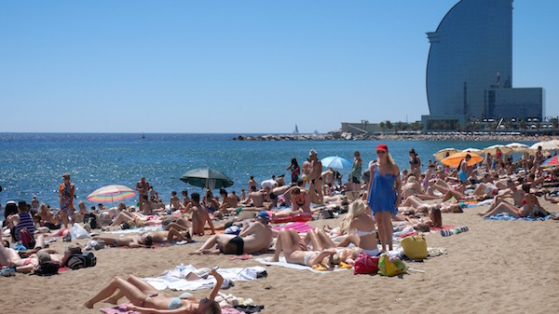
346, 136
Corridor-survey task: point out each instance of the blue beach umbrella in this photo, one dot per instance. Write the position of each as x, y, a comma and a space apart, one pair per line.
335, 162
207, 178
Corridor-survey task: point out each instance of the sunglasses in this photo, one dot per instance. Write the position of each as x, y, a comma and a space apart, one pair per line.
380, 152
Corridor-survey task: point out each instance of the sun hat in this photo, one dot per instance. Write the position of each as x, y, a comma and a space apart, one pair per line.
263, 215
382, 147
312, 152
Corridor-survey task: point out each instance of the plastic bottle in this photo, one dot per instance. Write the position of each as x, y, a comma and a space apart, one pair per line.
182, 275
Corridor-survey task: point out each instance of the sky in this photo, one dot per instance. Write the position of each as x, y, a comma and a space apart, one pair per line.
240, 67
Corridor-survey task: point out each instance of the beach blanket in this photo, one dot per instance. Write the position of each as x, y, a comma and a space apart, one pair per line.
503, 216
482, 203
136, 230
301, 227
171, 278
283, 263
444, 227
121, 309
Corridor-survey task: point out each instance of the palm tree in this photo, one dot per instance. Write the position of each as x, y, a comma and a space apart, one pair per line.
457, 126
522, 125
382, 127
538, 126
400, 126
554, 124
435, 126
389, 125
508, 124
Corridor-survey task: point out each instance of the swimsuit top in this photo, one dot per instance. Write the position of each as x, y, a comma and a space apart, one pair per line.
363, 233
175, 303
414, 161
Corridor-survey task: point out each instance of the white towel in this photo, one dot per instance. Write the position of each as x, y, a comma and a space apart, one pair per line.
283, 263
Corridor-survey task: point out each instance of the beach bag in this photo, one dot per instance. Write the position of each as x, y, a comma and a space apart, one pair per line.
47, 268
127, 225
77, 261
90, 259
26, 238
415, 247
390, 268
365, 264
327, 214
540, 212
78, 232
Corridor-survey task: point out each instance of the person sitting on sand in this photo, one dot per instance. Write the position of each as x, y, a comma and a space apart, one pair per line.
358, 223
254, 239
200, 216
229, 203
300, 200
289, 242
175, 201
511, 192
257, 198
146, 299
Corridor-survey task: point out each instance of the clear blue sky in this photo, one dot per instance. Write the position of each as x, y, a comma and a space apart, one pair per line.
235, 66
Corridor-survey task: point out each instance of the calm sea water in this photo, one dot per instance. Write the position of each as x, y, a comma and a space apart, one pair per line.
32, 164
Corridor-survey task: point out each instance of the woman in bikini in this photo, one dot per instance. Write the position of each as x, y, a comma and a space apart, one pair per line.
527, 209
146, 299
415, 163
300, 200
289, 242
361, 226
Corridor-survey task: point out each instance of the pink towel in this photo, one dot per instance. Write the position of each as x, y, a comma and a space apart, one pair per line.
298, 226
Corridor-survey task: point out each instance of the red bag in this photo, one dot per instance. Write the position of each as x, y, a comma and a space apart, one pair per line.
26, 238
364, 264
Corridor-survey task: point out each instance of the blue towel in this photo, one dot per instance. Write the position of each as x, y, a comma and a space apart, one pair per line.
503, 216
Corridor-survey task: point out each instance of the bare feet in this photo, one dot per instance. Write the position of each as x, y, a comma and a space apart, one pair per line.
197, 252
88, 305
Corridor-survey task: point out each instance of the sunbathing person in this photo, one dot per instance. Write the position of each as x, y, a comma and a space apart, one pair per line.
512, 192
10, 257
300, 200
254, 239
229, 203
138, 218
146, 299
289, 243
529, 203
321, 241
362, 226
258, 199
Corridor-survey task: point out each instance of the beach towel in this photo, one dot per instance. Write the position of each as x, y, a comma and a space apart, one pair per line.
283, 263
171, 278
121, 309
488, 202
301, 227
444, 227
504, 216
136, 230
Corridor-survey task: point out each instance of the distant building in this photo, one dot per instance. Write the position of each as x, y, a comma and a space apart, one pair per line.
469, 68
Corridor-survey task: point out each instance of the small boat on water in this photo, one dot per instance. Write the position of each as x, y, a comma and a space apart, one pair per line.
296, 131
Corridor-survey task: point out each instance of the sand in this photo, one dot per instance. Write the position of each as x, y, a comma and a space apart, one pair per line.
496, 267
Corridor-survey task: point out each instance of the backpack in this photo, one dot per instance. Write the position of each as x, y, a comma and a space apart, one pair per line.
26, 238
47, 268
90, 259
78, 261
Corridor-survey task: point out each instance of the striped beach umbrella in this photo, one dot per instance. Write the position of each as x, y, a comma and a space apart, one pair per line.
111, 193
551, 162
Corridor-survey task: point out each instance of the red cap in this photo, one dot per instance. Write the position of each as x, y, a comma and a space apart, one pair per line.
382, 147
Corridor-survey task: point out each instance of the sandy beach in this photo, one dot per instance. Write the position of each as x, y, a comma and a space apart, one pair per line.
496, 267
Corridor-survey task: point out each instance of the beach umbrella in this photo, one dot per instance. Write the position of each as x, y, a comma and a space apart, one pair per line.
455, 159
546, 145
518, 147
206, 178
473, 150
551, 162
335, 162
442, 154
493, 149
111, 194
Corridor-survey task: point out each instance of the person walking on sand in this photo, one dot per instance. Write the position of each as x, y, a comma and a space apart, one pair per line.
295, 170
356, 169
142, 187
66, 196
384, 194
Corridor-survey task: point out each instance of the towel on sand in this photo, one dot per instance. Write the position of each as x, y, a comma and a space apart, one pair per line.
503, 216
283, 263
121, 309
171, 278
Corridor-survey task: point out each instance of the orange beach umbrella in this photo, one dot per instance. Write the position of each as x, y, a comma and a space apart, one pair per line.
455, 159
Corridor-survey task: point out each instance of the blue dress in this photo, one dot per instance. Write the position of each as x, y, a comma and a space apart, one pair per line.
382, 196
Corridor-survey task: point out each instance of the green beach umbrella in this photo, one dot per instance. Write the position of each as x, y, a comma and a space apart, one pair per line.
207, 178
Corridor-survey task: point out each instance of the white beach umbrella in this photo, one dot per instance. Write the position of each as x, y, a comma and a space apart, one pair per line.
445, 152
518, 147
493, 149
473, 150
546, 145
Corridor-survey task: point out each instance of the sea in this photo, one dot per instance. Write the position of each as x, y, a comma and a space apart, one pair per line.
32, 164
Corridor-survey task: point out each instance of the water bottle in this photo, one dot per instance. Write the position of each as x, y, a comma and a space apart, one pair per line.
181, 271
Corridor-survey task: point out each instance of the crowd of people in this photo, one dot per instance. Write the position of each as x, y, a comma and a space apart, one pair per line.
373, 201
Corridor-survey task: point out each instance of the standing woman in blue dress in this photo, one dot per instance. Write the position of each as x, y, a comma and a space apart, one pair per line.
384, 189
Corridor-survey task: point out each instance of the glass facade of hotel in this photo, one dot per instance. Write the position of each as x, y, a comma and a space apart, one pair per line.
471, 52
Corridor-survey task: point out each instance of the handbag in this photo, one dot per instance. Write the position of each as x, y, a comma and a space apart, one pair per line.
365, 264
390, 268
415, 247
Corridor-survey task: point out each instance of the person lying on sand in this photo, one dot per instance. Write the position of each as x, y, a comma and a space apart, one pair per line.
10, 257
296, 252
254, 239
529, 204
146, 299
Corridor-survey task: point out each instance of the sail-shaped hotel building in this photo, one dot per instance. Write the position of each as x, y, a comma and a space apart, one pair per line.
469, 69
